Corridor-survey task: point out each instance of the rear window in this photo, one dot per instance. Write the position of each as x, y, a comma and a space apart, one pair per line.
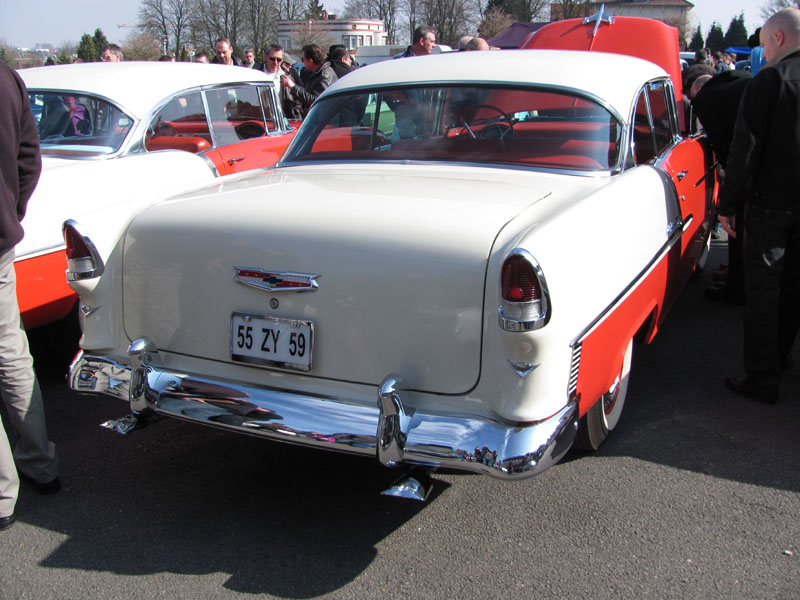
520, 127
78, 125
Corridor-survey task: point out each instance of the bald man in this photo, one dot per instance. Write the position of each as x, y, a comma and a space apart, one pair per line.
763, 176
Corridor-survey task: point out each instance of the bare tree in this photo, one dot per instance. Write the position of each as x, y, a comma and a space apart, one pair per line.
261, 22
291, 10
494, 21
140, 45
449, 18
568, 9
773, 6
311, 33
214, 19
386, 10
166, 20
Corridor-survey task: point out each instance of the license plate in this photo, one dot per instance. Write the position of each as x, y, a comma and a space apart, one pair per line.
272, 341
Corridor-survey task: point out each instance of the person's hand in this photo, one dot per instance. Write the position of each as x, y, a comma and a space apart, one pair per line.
728, 224
287, 82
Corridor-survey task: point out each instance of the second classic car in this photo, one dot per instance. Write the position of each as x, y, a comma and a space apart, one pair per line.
448, 268
115, 136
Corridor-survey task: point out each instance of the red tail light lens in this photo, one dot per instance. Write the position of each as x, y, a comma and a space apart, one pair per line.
83, 260
76, 246
518, 280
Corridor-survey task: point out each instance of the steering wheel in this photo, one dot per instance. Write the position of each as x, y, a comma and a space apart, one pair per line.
249, 129
498, 130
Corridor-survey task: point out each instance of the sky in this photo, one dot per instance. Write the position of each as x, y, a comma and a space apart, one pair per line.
26, 23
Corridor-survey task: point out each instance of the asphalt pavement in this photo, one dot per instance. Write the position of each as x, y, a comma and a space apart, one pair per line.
696, 495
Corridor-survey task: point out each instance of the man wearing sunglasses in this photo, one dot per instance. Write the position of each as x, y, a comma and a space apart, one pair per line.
273, 57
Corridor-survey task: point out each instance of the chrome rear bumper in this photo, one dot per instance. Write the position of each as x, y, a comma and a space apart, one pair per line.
396, 432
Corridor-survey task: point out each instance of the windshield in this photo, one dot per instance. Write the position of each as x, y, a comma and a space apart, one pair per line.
78, 125
521, 127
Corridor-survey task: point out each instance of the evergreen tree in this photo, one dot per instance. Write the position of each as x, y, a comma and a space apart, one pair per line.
697, 42
87, 51
100, 42
314, 9
737, 33
63, 58
715, 40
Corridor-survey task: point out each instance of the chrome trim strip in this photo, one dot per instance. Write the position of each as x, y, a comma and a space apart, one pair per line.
40, 252
394, 431
674, 239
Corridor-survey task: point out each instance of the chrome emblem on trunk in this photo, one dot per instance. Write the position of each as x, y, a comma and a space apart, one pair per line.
273, 281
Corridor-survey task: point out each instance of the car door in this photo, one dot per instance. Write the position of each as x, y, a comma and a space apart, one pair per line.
687, 163
248, 128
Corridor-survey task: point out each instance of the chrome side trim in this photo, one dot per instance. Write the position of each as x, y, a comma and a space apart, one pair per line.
674, 239
395, 431
40, 252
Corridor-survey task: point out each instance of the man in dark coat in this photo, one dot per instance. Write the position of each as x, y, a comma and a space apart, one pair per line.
763, 175
321, 76
716, 104
20, 165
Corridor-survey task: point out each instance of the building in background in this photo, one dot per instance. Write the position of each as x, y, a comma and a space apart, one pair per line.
353, 33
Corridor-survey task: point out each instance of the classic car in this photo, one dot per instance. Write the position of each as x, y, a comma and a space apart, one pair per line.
165, 125
449, 266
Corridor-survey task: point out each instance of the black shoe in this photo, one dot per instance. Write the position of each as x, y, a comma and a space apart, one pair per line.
726, 294
767, 394
7, 522
47, 488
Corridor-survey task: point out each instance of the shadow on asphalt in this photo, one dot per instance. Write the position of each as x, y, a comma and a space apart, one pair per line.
297, 523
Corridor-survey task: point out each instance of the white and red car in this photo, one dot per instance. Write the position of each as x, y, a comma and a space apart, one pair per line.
116, 136
449, 267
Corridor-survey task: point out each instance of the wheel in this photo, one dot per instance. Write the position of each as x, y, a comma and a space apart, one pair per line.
601, 419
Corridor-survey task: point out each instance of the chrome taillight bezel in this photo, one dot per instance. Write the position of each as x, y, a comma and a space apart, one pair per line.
89, 266
530, 315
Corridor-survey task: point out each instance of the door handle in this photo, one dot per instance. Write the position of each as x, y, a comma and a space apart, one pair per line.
682, 175
233, 161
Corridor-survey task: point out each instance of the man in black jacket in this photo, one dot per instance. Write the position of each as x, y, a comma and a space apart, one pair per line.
716, 104
763, 175
20, 165
321, 77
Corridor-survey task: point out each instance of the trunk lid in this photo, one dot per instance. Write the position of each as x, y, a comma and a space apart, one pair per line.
400, 253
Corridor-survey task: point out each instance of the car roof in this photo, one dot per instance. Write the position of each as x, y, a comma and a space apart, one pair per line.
613, 78
135, 86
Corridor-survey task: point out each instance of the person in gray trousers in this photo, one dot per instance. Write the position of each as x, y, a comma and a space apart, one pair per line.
20, 166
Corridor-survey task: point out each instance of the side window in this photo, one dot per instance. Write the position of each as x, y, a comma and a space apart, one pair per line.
268, 105
643, 142
659, 111
235, 114
182, 117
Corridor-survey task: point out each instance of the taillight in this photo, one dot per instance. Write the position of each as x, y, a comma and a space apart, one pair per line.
525, 301
518, 280
83, 260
